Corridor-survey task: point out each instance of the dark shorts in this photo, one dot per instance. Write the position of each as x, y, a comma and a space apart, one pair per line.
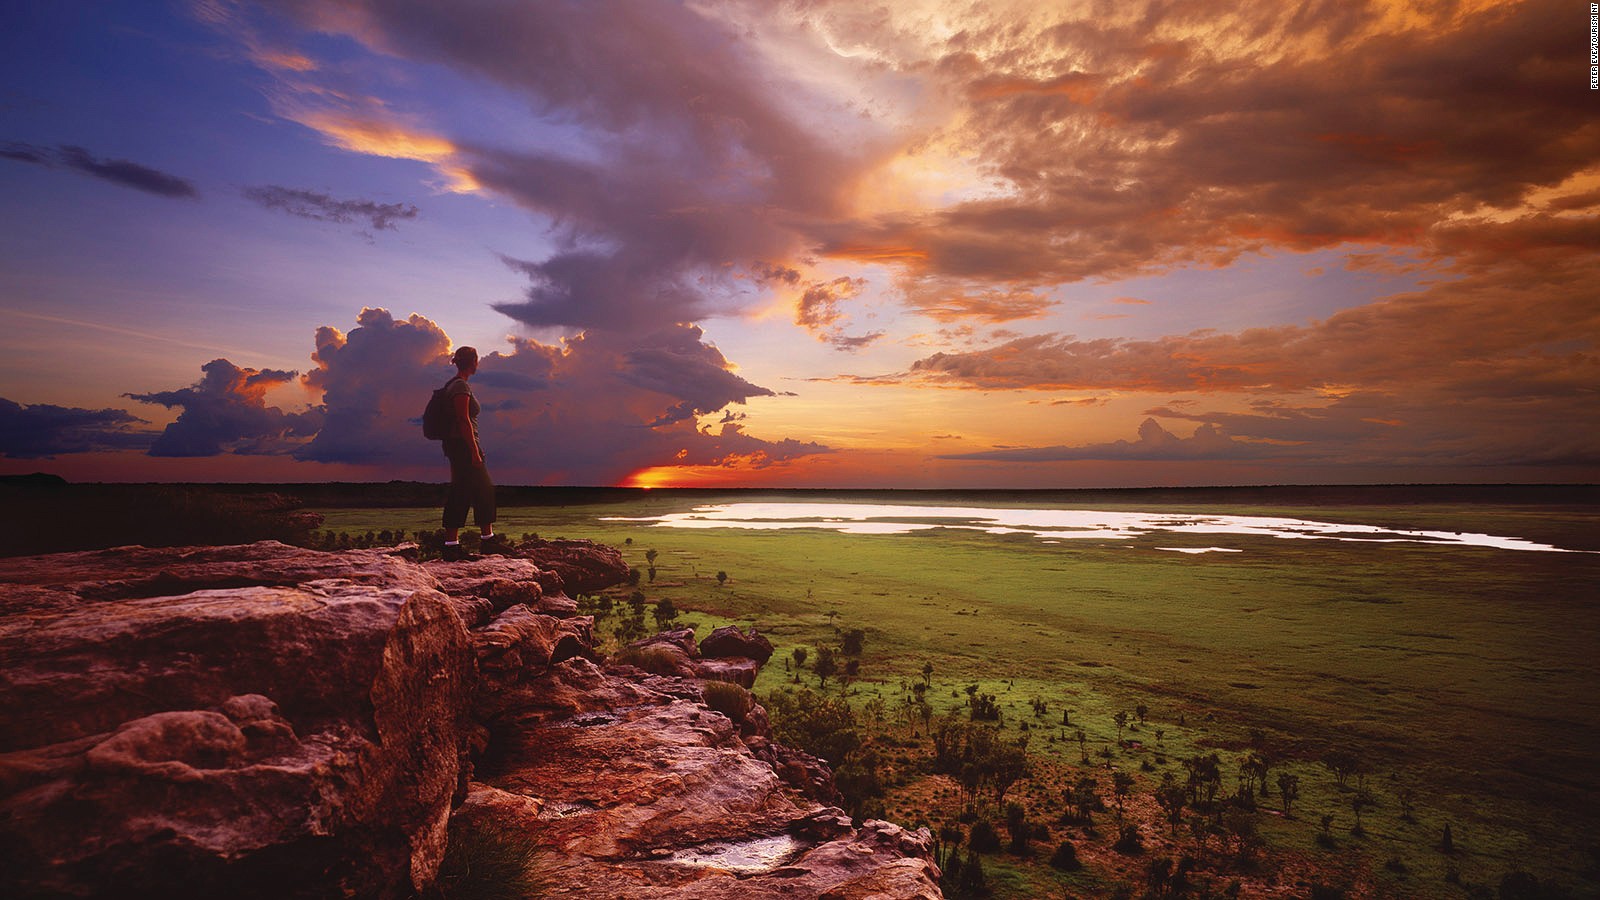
470, 488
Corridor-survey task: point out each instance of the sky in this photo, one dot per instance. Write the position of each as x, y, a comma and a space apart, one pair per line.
802, 243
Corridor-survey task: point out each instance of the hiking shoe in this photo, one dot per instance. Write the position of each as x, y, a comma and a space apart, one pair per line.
495, 543
457, 553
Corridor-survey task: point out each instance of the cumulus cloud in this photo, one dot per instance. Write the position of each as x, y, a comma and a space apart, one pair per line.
323, 208
117, 171
41, 430
590, 410
226, 411
375, 381
1209, 442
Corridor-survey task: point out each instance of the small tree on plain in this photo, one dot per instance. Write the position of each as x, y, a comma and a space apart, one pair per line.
826, 666
1172, 798
852, 642
1121, 784
1288, 790
665, 613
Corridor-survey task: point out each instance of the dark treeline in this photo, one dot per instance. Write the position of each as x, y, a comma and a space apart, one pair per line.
418, 493
413, 493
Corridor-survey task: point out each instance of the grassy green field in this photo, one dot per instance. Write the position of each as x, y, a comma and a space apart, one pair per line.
1466, 677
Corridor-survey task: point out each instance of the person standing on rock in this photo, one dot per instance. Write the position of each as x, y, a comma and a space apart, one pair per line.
470, 486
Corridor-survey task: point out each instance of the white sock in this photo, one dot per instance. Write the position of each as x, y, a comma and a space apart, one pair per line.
452, 543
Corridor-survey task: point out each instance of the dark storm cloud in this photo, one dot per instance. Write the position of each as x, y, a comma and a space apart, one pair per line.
226, 412
323, 208
692, 170
117, 171
40, 430
677, 363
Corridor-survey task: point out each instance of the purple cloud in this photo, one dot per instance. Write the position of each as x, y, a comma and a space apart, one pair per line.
40, 430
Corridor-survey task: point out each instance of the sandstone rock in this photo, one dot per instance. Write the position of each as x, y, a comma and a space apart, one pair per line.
737, 671
668, 653
729, 640
584, 566
63, 581
504, 581
279, 738
682, 638
266, 721
520, 643
649, 794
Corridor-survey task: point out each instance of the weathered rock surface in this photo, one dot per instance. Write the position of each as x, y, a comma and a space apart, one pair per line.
263, 720
742, 672
278, 738
730, 641
584, 566
652, 794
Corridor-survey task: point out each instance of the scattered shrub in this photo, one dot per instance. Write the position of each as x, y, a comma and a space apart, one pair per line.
729, 699
655, 660
820, 725
1066, 858
852, 642
1129, 841
484, 863
972, 882
984, 838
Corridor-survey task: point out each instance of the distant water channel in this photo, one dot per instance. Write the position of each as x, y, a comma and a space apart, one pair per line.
1055, 525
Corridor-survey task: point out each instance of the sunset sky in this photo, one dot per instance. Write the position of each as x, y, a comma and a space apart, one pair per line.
809, 243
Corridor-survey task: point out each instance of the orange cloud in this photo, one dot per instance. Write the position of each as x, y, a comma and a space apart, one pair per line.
876, 254
393, 140
1076, 87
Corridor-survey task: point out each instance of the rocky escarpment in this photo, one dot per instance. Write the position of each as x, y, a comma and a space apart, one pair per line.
264, 720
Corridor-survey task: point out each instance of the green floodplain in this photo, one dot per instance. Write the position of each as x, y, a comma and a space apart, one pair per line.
1463, 680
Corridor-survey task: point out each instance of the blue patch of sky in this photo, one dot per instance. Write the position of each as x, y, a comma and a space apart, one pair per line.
1261, 290
148, 84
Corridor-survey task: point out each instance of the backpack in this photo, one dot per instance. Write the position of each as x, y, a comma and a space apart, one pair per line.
436, 418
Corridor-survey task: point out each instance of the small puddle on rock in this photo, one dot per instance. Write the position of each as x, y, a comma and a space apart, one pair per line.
753, 857
560, 809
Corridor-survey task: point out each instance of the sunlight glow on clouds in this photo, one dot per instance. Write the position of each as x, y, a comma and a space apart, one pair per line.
944, 209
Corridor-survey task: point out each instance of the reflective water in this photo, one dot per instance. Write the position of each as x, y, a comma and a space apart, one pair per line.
1054, 525
751, 857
